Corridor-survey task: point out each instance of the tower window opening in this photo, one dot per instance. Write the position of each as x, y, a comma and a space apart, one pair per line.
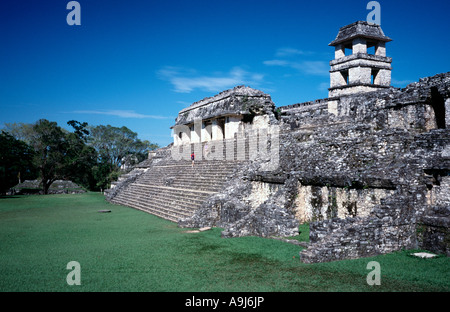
348, 49
344, 74
371, 48
373, 76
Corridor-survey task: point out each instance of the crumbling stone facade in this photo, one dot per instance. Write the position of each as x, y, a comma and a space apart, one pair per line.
368, 167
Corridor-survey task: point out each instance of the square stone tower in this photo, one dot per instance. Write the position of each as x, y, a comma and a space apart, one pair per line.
360, 63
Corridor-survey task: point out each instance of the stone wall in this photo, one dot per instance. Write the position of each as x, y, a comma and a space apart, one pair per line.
248, 204
419, 106
260, 192
364, 174
433, 232
403, 155
439, 187
389, 227
314, 203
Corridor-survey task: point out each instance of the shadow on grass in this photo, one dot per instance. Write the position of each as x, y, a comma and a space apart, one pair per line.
8, 196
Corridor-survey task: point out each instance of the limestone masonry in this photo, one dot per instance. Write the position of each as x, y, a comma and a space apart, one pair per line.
368, 167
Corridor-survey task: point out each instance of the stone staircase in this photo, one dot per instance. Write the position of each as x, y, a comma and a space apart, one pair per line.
174, 190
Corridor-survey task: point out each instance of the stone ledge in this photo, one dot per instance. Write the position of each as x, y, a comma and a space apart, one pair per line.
363, 56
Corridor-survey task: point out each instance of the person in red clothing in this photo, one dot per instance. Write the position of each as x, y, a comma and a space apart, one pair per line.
193, 159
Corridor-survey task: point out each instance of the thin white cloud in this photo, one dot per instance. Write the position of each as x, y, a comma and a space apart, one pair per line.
287, 52
120, 113
289, 57
186, 81
317, 68
277, 63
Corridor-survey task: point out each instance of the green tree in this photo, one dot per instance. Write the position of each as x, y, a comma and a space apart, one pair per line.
50, 146
80, 128
81, 158
20, 131
89, 156
15, 161
114, 146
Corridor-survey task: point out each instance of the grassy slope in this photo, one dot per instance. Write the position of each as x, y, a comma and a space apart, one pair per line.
129, 250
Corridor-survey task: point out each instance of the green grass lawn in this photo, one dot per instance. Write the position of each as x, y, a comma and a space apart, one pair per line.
129, 250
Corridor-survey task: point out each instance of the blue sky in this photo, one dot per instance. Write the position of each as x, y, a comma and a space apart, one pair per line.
137, 63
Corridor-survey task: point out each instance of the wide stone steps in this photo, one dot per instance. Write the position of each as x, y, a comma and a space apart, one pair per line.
175, 190
188, 182
163, 212
171, 205
201, 177
207, 185
178, 196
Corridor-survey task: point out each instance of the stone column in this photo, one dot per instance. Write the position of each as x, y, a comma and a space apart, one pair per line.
181, 135
359, 75
181, 148
337, 79
196, 131
206, 132
185, 139
175, 139
383, 77
339, 51
216, 132
380, 49
333, 107
232, 126
359, 46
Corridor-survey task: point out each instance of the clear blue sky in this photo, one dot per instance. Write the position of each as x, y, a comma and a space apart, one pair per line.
137, 63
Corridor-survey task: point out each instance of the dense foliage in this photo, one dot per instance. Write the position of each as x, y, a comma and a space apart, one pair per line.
16, 161
91, 156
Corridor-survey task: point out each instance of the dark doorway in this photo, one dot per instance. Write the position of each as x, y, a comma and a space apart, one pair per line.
438, 104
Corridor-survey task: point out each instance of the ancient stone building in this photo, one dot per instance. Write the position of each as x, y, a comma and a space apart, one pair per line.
368, 167
223, 116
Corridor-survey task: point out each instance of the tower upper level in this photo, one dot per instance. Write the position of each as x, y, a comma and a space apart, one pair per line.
360, 63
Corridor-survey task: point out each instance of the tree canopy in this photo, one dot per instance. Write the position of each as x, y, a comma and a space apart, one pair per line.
114, 144
16, 161
91, 156
51, 152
